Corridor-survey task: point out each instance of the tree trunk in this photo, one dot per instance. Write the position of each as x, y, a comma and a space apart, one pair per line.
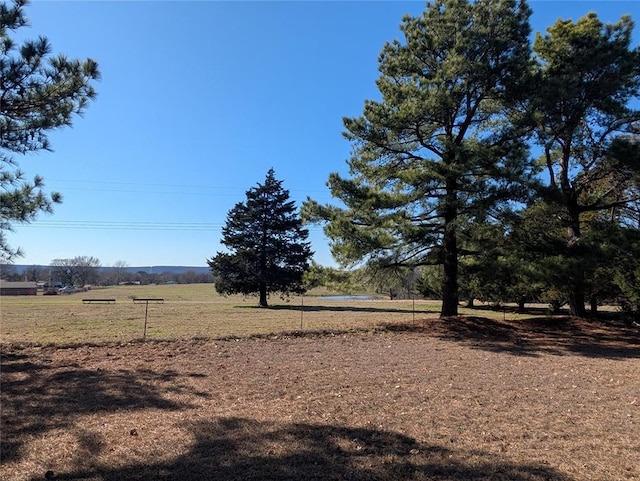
521, 304
574, 256
594, 306
450, 280
263, 296
576, 275
576, 300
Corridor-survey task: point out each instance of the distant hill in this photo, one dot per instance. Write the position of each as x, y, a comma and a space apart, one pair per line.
20, 268
171, 269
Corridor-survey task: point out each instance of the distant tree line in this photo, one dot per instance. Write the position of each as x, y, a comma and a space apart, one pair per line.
87, 270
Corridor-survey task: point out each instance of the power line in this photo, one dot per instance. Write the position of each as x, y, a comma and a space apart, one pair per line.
131, 225
124, 225
192, 189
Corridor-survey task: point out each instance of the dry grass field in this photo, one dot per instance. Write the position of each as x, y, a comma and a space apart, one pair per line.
188, 311
367, 390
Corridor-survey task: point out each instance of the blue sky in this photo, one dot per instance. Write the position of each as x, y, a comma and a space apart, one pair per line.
197, 101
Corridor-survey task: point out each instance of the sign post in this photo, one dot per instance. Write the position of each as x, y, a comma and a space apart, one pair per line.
146, 301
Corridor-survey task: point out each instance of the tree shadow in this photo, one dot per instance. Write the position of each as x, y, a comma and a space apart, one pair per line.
558, 335
325, 308
238, 449
513, 309
38, 396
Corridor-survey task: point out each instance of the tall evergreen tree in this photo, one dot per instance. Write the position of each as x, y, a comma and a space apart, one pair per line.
268, 246
587, 77
38, 93
440, 145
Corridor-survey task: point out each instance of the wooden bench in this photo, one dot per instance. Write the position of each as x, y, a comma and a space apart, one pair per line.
98, 301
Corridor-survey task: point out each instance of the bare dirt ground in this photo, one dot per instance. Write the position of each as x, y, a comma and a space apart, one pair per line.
465, 399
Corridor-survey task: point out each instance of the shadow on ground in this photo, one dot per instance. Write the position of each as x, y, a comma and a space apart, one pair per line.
37, 398
559, 335
238, 449
324, 308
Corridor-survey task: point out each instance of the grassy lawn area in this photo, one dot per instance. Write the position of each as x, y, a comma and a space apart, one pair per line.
193, 310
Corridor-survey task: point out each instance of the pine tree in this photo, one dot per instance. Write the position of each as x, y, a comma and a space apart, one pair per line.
268, 246
587, 80
38, 93
439, 147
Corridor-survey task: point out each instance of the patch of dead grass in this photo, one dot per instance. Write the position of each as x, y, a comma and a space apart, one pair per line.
436, 400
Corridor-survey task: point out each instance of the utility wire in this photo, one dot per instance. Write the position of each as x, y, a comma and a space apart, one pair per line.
129, 225
192, 189
115, 225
